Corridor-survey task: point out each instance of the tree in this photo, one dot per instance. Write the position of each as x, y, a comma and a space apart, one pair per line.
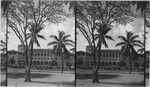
59, 45
80, 62
3, 45
33, 36
91, 15
101, 37
127, 46
12, 61
24, 13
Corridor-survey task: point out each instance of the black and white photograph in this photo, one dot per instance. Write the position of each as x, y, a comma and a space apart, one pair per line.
40, 43
74, 43
110, 43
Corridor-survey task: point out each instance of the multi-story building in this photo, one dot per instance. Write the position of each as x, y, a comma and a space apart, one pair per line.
108, 57
40, 58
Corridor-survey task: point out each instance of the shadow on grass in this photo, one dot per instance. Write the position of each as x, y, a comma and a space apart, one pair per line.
22, 75
129, 84
67, 84
101, 76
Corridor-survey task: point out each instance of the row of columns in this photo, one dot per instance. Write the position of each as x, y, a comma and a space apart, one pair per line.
36, 63
109, 63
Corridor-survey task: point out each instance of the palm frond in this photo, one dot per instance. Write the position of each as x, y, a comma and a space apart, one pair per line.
52, 43
37, 42
122, 38
54, 37
134, 37
120, 44
109, 37
41, 36
104, 43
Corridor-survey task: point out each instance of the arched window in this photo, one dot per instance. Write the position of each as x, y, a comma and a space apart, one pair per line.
46, 62
41, 62
35, 53
44, 53
39, 53
38, 63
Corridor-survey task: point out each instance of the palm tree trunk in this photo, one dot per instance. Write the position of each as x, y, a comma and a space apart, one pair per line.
27, 70
130, 65
94, 59
95, 73
62, 70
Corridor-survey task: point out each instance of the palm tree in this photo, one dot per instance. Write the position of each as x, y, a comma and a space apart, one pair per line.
72, 50
141, 50
3, 45
127, 45
59, 45
101, 36
33, 35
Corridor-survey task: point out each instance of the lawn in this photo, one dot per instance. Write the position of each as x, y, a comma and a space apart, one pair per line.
108, 79
42, 79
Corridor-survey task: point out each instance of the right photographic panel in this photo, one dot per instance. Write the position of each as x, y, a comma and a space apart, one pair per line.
112, 43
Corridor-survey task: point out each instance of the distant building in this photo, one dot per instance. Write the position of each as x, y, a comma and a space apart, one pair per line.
40, 58
109, 57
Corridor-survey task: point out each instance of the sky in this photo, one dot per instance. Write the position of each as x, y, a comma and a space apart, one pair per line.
135, 26
68, 26
50, 29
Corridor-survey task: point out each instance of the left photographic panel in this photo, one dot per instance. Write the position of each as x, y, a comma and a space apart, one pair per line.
39, 50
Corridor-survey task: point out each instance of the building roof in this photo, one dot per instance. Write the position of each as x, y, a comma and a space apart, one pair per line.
14, 51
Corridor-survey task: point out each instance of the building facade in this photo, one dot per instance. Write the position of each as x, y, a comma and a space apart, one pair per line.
40, 58
108, 57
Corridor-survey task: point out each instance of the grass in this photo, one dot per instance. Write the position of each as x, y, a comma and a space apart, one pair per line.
84, 76
22, 75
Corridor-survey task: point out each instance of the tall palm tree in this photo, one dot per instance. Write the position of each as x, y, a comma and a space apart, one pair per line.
59, 45
101, 37
127, 45
33, 35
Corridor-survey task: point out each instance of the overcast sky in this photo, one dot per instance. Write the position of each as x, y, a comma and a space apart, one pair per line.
136, 27
67, 26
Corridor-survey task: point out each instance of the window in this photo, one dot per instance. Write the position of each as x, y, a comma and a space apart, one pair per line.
38, 53
44, 53
107, 55
35, 53
103, 54
41, 53
47, 53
